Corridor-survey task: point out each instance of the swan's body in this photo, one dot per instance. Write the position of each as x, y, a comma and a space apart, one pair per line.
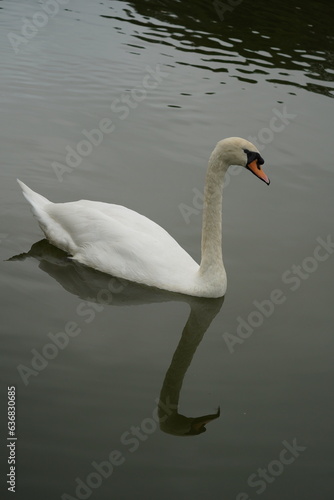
123, 243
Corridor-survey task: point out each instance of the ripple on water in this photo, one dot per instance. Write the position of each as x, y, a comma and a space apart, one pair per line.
285, 42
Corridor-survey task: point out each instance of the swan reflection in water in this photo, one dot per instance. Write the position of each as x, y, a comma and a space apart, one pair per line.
94, 286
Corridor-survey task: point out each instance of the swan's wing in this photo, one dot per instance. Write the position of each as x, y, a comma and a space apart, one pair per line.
121, 242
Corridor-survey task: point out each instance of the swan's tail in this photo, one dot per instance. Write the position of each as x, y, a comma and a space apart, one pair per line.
37, 201
39, 207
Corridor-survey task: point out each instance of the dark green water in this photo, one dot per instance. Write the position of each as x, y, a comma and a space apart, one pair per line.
165, 81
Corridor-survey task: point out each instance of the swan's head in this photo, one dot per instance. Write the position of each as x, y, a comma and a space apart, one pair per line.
238, 151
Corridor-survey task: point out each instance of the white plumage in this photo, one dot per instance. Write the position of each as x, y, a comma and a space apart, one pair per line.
118, 241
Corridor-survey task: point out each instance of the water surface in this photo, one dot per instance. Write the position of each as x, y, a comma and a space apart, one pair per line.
173, 78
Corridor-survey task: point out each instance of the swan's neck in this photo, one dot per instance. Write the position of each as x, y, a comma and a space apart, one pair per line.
212, 260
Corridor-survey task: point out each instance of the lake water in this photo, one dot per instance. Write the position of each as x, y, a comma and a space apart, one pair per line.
115, 384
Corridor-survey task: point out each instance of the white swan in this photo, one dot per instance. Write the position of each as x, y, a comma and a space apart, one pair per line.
118, 241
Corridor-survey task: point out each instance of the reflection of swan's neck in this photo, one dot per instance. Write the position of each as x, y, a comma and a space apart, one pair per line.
182, 358
201, 315
212, 260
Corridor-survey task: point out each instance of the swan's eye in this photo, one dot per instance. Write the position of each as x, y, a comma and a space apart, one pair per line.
253, 155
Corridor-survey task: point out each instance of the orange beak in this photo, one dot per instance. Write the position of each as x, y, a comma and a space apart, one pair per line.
257, 170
